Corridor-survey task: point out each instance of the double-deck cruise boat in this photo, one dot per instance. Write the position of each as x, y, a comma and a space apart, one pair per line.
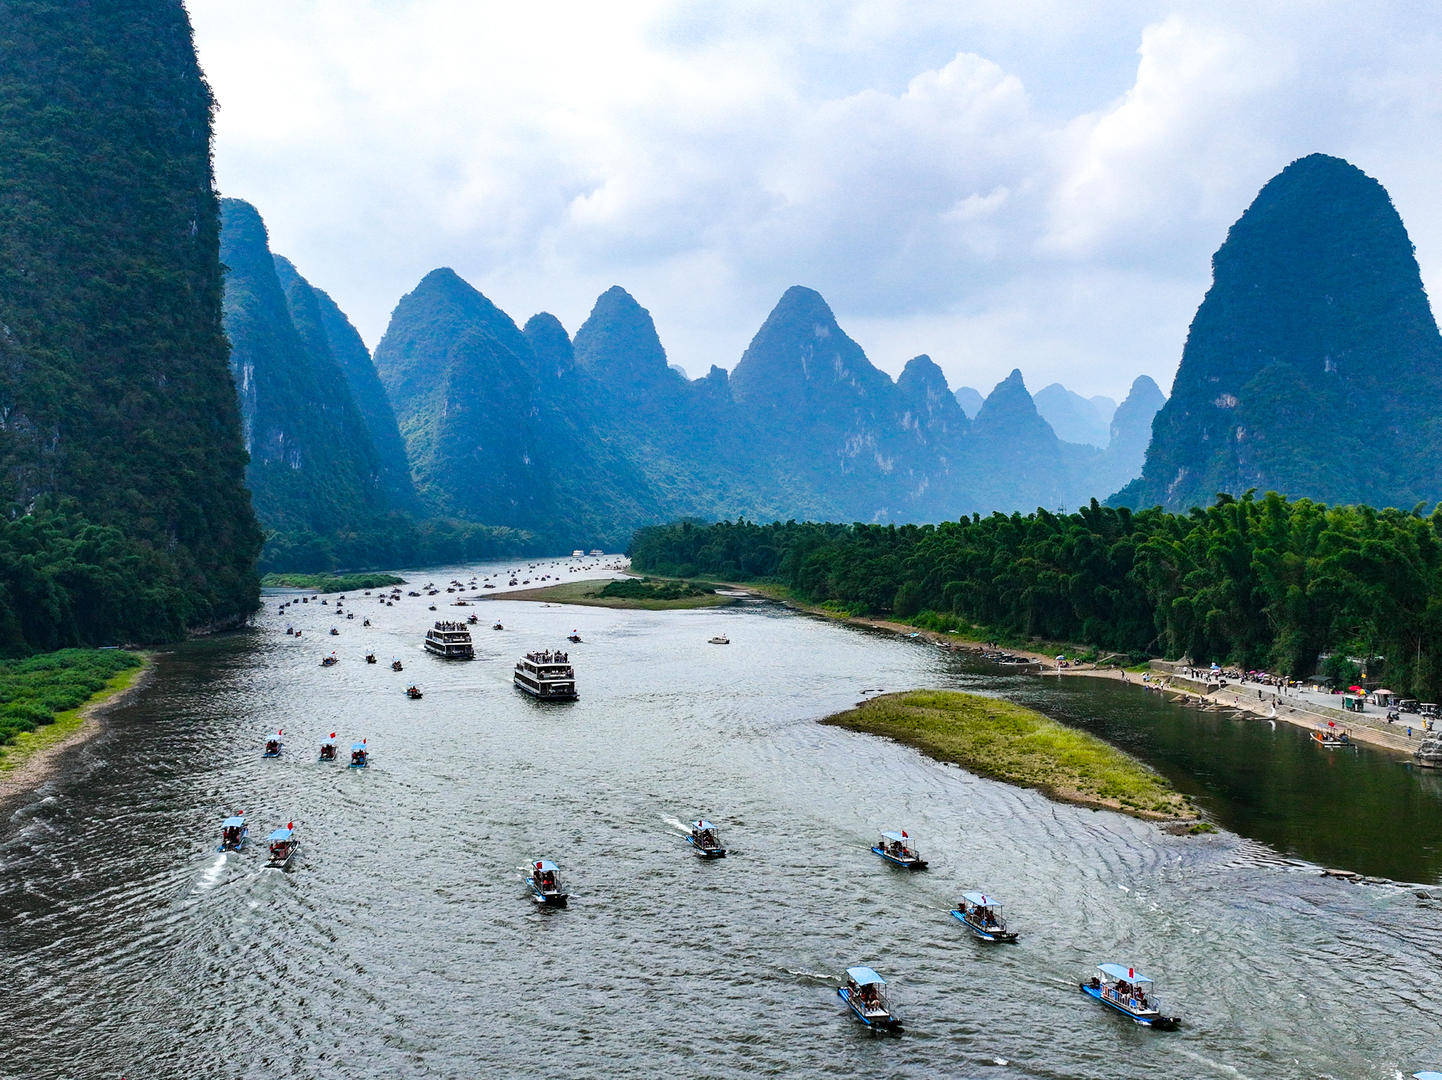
450, 641
1130, 993
597, 552
283, 846
360, 757
706, 840
233, 834
547, 675
865, 995
544, 878
898, 849
981, 914
327, 748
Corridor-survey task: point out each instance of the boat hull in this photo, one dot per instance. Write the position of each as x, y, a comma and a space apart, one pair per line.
543, 694
896, 860
271, 754
282, 863
706, 853
1005, 936
550, 900
885, 1022
1146, 1019
454, 654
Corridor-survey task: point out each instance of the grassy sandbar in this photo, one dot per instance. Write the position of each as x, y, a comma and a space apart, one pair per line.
647, 594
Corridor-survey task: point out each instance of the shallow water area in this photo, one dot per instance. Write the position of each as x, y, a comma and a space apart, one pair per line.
402, 942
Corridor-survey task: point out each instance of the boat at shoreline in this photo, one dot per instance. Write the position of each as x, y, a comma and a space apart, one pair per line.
1125, 990
283, 846
1330, 741
544, 878
865, 995
234, 833
981, 914
705, 839
450, 641
546, 675
898, 849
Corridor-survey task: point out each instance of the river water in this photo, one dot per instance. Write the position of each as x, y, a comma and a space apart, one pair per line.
402, 944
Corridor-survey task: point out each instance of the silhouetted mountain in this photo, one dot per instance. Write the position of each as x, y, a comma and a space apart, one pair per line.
1131, 431
1313, 365
1075, 418
1020, 463
970, 399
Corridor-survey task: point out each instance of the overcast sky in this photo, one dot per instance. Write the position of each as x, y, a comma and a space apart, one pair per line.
997, 183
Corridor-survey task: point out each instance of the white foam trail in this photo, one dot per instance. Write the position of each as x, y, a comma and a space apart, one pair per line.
676, 824
1220, 1066
212, 873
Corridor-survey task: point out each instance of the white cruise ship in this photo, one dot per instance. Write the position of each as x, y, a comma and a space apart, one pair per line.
547, 675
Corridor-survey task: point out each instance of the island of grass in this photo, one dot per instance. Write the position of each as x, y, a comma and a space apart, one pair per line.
44, 699
651, 594
1007, 742
329, 583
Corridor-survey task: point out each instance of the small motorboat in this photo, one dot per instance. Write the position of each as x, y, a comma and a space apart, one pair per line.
898, 849
545, 882
413, 692
334, 632
706, 840
283, 846
370, 658
498, 626
1130, 993
273, 745
865, 995
981, 914
290, 631
233, 834
719, 639
366, 623
396, 665
330, 661
327, 748
360, 757
473, 620
1332, 740
573, 637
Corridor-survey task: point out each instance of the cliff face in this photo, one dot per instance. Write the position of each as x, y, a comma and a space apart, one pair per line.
114, 390
1313, 365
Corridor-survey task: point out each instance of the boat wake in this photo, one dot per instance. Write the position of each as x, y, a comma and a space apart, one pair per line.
211, 876
815, 978
678, 825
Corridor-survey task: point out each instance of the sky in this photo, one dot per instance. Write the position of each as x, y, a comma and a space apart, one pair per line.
998, 183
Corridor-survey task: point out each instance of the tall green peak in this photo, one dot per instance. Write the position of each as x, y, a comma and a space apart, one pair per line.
551, 344
618, 344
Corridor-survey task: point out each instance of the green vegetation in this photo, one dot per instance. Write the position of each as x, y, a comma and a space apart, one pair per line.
38, 690
329, 583
1262, 583
632, 593
1006, 742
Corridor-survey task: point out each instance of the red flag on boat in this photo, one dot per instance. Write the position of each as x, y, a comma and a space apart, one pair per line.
904, 836
1131, 973
364, 741
538, 866
290, 825
332, 734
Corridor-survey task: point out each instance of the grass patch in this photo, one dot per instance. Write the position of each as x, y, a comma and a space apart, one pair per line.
1007, 742
328, 583
644, 593
41, 697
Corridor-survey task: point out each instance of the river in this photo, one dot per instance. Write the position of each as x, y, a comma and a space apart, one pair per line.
401, 944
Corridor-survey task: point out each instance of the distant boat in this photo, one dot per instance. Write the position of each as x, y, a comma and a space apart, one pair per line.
719, 639
578, 554
574, 638
1130, 993
597, 552
545, 881
413, 692
330, 661
865, 995
546, 675
899, 849
981, 914
233, 833
327, 748
497, 626
706, 840
450, 641
370, 658
283, 846
396, 665
360, 757
273, 745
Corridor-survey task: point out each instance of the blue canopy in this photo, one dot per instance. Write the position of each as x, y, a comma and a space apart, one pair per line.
280, 834
702, 824
543, 865
980, 899
898, 837
233, 822
1427, 1076
864, 976
357, 746
1118, 971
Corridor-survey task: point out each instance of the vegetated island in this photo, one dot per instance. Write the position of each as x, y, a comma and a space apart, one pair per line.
650, 594
329, 583
45, 702
1007, 742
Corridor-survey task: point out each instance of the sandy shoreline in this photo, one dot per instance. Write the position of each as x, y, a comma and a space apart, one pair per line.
28, 763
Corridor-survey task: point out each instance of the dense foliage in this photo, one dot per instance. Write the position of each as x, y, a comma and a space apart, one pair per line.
329, 583
35, 690
647, 589
1258, 582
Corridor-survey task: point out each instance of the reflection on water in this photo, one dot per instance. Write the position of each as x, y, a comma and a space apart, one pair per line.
402, 944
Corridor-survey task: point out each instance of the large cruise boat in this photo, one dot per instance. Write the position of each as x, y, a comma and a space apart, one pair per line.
450, 641
547, 675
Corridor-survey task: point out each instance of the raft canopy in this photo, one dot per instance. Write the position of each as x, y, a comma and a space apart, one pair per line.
1427, 1076
233, 822
981, 899
864, 976
543, 865
1117, 971
703, 825
280, 834
898, 837
357, 746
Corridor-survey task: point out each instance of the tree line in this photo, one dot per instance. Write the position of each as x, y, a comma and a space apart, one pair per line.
1256, 582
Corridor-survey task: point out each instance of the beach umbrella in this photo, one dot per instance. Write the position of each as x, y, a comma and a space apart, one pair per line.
1355, 689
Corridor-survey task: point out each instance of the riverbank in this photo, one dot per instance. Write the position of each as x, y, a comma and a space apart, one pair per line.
1016, 745
329, 583
30, 758
591, 594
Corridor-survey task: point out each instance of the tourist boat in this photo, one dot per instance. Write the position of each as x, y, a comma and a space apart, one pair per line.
450, 641
574, 638
233, 834
897, 848
981, 914
706, 840
370, 658
273, 745
1332, 741
719, 639
413, 692
578, 554
597, 552
334, 632
396, 665
545, 882
1130, 993
497, 626
330, 661
360, 757
283, 846
865, 995
327, 748
547, 675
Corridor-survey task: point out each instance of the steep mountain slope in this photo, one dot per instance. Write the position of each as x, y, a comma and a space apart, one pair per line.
113, 384
1017, 460
1131, 432
1313, 365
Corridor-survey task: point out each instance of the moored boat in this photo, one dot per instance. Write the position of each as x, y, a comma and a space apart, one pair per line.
899, 849
865, 995
1130, 993
360, 757
450, 641
546, 675
981, 914
283, 846
233, 833
706, 840
1332, 740
327, 749
273, 745
544, 878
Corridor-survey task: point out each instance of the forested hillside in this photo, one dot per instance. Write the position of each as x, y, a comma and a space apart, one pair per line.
1259, 582
121, 465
